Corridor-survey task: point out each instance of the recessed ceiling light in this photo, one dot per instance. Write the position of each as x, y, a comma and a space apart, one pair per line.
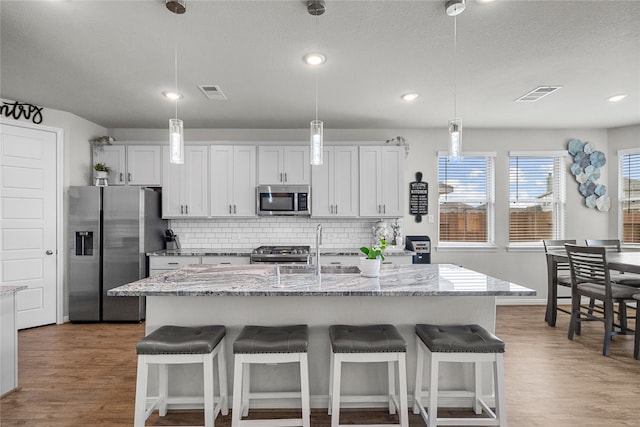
410, 96
172, 95
314, 58
617, 98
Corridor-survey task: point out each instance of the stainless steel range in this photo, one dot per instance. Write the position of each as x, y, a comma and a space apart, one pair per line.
281, 255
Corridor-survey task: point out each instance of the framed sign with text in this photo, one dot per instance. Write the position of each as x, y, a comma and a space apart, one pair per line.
418, 198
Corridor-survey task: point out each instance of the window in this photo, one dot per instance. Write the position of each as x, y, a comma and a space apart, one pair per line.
630, 195
465, 199
536, 197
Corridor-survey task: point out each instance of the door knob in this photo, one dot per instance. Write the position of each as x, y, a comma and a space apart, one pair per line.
49, 252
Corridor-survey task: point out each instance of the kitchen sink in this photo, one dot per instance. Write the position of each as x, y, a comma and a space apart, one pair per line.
324, 269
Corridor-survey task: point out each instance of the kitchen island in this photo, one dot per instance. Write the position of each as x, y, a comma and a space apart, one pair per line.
403, 295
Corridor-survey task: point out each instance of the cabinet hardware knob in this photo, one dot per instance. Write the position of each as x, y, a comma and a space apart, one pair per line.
234, 209
281, 177
285, 177
49, 252
229, 208
186, 209
121, 177
384, 208
129, 176
182, 209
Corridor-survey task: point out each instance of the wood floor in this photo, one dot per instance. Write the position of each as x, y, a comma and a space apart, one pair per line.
84, 375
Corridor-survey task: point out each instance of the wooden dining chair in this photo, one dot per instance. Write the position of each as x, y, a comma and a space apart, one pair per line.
558, 277
623, 278
590, 278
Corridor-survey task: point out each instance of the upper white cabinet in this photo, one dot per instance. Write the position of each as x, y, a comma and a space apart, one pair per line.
283, 165
381, 181
334, 188
233, 180
185, 187
132, 164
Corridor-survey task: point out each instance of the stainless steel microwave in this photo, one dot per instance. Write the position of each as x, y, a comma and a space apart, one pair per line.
283, 200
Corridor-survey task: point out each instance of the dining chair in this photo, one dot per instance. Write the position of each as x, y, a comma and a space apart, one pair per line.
623, 278
590, 278
558, 276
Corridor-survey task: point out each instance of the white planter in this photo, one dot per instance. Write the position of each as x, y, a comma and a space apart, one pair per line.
369, 267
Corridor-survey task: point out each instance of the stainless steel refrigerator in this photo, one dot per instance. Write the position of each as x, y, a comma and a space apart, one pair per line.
111, 230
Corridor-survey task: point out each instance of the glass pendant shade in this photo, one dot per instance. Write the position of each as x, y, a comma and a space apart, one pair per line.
316, 142
455, 138
176, 141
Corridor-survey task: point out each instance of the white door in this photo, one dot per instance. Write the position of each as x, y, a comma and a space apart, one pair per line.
28, 221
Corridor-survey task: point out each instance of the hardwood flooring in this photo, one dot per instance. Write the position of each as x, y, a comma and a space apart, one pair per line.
84, 375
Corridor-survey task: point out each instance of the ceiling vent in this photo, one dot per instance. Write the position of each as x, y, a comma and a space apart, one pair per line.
213, 92
537, 93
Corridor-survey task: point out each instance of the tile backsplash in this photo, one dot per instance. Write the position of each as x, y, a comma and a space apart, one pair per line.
249, 233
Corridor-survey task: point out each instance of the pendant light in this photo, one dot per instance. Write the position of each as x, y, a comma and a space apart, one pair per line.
176, 127
455, 8
316, 8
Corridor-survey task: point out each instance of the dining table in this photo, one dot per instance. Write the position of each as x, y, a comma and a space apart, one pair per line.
628, 262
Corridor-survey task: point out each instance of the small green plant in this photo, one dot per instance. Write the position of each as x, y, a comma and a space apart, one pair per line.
375, 251
101, 167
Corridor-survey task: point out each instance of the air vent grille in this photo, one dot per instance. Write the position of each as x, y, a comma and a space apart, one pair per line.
538, 93
213, 92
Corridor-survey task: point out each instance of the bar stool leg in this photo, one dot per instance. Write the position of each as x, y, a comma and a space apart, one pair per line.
236, 413
391, 371
304, 390
163, 388
329, 405
402, 384
246, 385
207, 375
433, 390
500, 392
478, 388
417, 393
222, 375
141, 392
335, 399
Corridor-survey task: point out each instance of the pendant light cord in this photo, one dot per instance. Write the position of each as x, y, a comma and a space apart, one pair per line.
175, 58
316, 71
455, 68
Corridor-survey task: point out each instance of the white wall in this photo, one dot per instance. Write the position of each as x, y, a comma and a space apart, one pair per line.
526, 268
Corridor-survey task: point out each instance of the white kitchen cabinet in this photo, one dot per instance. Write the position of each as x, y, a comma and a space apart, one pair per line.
185, 187
233, 181
225, 259
334, 190
132, 164
162, 264
284, 165
381, 181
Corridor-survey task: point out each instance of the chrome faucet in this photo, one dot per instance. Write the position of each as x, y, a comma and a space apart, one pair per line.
318, 243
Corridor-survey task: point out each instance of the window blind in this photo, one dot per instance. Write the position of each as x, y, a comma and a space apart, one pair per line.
535, 199
465, 202
630, 197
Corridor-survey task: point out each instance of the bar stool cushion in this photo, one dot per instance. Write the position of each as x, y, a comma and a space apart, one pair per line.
459, 339
272, 339
181, 340
366, 339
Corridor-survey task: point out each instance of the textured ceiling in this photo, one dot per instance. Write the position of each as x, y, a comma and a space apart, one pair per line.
109, 61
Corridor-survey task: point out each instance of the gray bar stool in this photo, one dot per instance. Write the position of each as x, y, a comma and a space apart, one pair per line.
170, 345
459, 343
269, 344
367, 344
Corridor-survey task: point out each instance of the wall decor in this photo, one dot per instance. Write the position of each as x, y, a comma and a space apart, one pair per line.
587, 162
418, 198
16, 109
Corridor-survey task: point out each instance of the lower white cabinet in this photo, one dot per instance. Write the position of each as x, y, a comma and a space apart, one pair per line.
162, 264
355, 259
225, 259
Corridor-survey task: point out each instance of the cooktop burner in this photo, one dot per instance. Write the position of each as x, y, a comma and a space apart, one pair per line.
281, 254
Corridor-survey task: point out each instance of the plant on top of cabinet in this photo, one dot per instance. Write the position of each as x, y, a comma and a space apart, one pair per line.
132, 164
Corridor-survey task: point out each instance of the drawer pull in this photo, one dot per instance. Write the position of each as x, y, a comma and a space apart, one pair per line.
172, 263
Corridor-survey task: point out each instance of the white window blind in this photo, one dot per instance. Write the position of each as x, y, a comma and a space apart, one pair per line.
630, 197
465, 202
536, 198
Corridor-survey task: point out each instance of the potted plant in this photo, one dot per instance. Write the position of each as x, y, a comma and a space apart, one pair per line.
102, 170
370, 264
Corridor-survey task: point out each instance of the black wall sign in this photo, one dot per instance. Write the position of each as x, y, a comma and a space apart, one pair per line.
17, 109
418, 197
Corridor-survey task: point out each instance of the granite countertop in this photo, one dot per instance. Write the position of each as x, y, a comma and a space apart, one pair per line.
268, 280
247, 252
6, 290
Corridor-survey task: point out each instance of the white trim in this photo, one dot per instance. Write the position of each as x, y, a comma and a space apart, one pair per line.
470, 154
628, 151
542, 153
466, 246
60, 255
